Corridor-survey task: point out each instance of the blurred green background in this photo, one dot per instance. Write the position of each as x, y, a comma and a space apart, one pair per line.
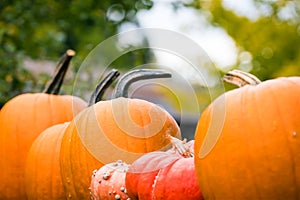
37, 33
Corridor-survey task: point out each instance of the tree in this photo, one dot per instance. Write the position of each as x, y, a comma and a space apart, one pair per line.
45, 29
272, 39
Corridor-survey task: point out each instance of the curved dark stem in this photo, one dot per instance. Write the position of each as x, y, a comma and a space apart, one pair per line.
127, 79
102, 86
240, 78
54, 84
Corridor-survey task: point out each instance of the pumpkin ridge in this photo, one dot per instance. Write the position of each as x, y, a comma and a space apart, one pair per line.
292, 157
50, 178
57, 139
67, 137
227, 166
208, 119
273, 92
51, 110
40, 147
82, 145
35, 163
244, 116
35, 114
71, 175
89, 154
146, 147
41, 101
16, 148
258, 122
66, 147
85, 125
127, 144
128, 147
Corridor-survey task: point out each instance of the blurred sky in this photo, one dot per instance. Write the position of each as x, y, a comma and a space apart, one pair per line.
215, 42
192, 23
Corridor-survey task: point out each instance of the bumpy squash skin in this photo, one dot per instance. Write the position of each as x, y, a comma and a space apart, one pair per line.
109, 182
163, 175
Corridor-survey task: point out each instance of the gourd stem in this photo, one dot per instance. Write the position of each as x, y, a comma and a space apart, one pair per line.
181, 146
240, 78
54, 84
98, 93
127, 79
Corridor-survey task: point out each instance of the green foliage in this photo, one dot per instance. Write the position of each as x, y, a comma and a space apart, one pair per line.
272, 41
44, 29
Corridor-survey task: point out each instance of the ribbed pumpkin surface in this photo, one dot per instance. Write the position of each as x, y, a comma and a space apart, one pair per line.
257, 154
22, 119
111, 130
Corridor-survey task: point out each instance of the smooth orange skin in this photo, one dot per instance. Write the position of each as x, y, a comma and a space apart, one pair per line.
22, 119
257, 155
77, 162
42, 173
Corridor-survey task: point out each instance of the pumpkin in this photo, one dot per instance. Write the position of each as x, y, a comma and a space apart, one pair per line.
164, 175
42, 175
109, 182
22, 119
121, 128
253, 150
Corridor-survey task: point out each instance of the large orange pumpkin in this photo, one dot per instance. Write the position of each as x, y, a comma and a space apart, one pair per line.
247, 143
22, 119
42, 176
120, 128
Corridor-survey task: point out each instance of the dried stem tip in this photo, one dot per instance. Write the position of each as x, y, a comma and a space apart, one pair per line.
54, 84
240, 78
70, 52
181, 146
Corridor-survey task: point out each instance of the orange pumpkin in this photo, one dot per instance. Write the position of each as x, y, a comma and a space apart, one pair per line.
247, 143
120, 128
22, 119
42, 175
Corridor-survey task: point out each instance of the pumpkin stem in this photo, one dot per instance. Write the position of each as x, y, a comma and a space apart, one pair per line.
181, 146
103, 85
240, 78
127, 79
54, 84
